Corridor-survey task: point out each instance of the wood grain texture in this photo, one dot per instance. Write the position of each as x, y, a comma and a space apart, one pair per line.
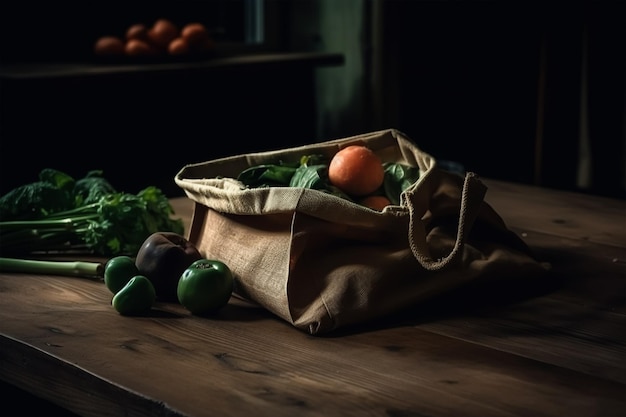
550, 347
560, 213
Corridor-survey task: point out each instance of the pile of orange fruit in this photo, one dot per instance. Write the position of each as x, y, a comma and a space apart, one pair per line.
163, 38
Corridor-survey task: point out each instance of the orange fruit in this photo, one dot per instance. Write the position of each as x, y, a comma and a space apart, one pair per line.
137, 31
163, 32
109, 45
375, 202
356, 170
178, 46
195, 33
137, 47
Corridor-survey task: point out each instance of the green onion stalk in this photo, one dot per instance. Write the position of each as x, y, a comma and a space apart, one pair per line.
65, 268
117, 224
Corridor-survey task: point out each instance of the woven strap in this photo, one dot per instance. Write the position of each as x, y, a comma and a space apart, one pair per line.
472, 196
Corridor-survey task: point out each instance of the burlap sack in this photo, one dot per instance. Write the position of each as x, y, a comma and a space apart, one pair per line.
321, 262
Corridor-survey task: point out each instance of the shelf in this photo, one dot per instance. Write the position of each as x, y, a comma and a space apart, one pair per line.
26, 71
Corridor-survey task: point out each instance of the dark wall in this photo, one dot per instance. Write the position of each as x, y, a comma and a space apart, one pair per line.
499, 86
467, 82
141, 128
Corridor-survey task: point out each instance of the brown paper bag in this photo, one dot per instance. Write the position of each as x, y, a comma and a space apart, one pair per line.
321, 262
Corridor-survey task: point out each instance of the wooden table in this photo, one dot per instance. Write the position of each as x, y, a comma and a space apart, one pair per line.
557, 350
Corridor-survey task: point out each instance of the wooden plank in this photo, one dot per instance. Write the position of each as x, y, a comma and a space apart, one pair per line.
564, 334
69, 386
560, 213
246, 361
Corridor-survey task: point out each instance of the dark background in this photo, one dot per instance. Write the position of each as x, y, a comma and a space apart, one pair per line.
507, 88
510, 88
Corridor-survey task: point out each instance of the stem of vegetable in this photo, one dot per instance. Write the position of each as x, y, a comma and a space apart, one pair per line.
66, 268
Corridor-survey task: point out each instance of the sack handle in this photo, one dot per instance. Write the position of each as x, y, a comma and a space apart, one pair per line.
472, 197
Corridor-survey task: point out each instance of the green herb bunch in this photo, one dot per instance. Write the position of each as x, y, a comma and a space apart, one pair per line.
59, 214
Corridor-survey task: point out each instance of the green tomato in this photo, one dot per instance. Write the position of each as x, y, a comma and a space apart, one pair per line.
118, 271
205, 286
136, 298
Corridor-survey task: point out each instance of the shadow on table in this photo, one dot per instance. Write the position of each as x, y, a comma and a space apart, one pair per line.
479, 298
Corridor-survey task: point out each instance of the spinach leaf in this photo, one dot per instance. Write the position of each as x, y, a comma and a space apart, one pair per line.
398, 177
57, 178
267, 175
30, 201
91, 188
310, 176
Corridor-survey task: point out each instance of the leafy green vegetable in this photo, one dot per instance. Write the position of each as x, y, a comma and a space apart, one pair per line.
92, 187
314, 159
53, 192
312, 173
313, 176
398, 177
57, 178
267, 176
59, 220
34, 200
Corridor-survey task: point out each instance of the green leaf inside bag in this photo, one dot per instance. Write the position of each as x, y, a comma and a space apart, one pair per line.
398, 177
